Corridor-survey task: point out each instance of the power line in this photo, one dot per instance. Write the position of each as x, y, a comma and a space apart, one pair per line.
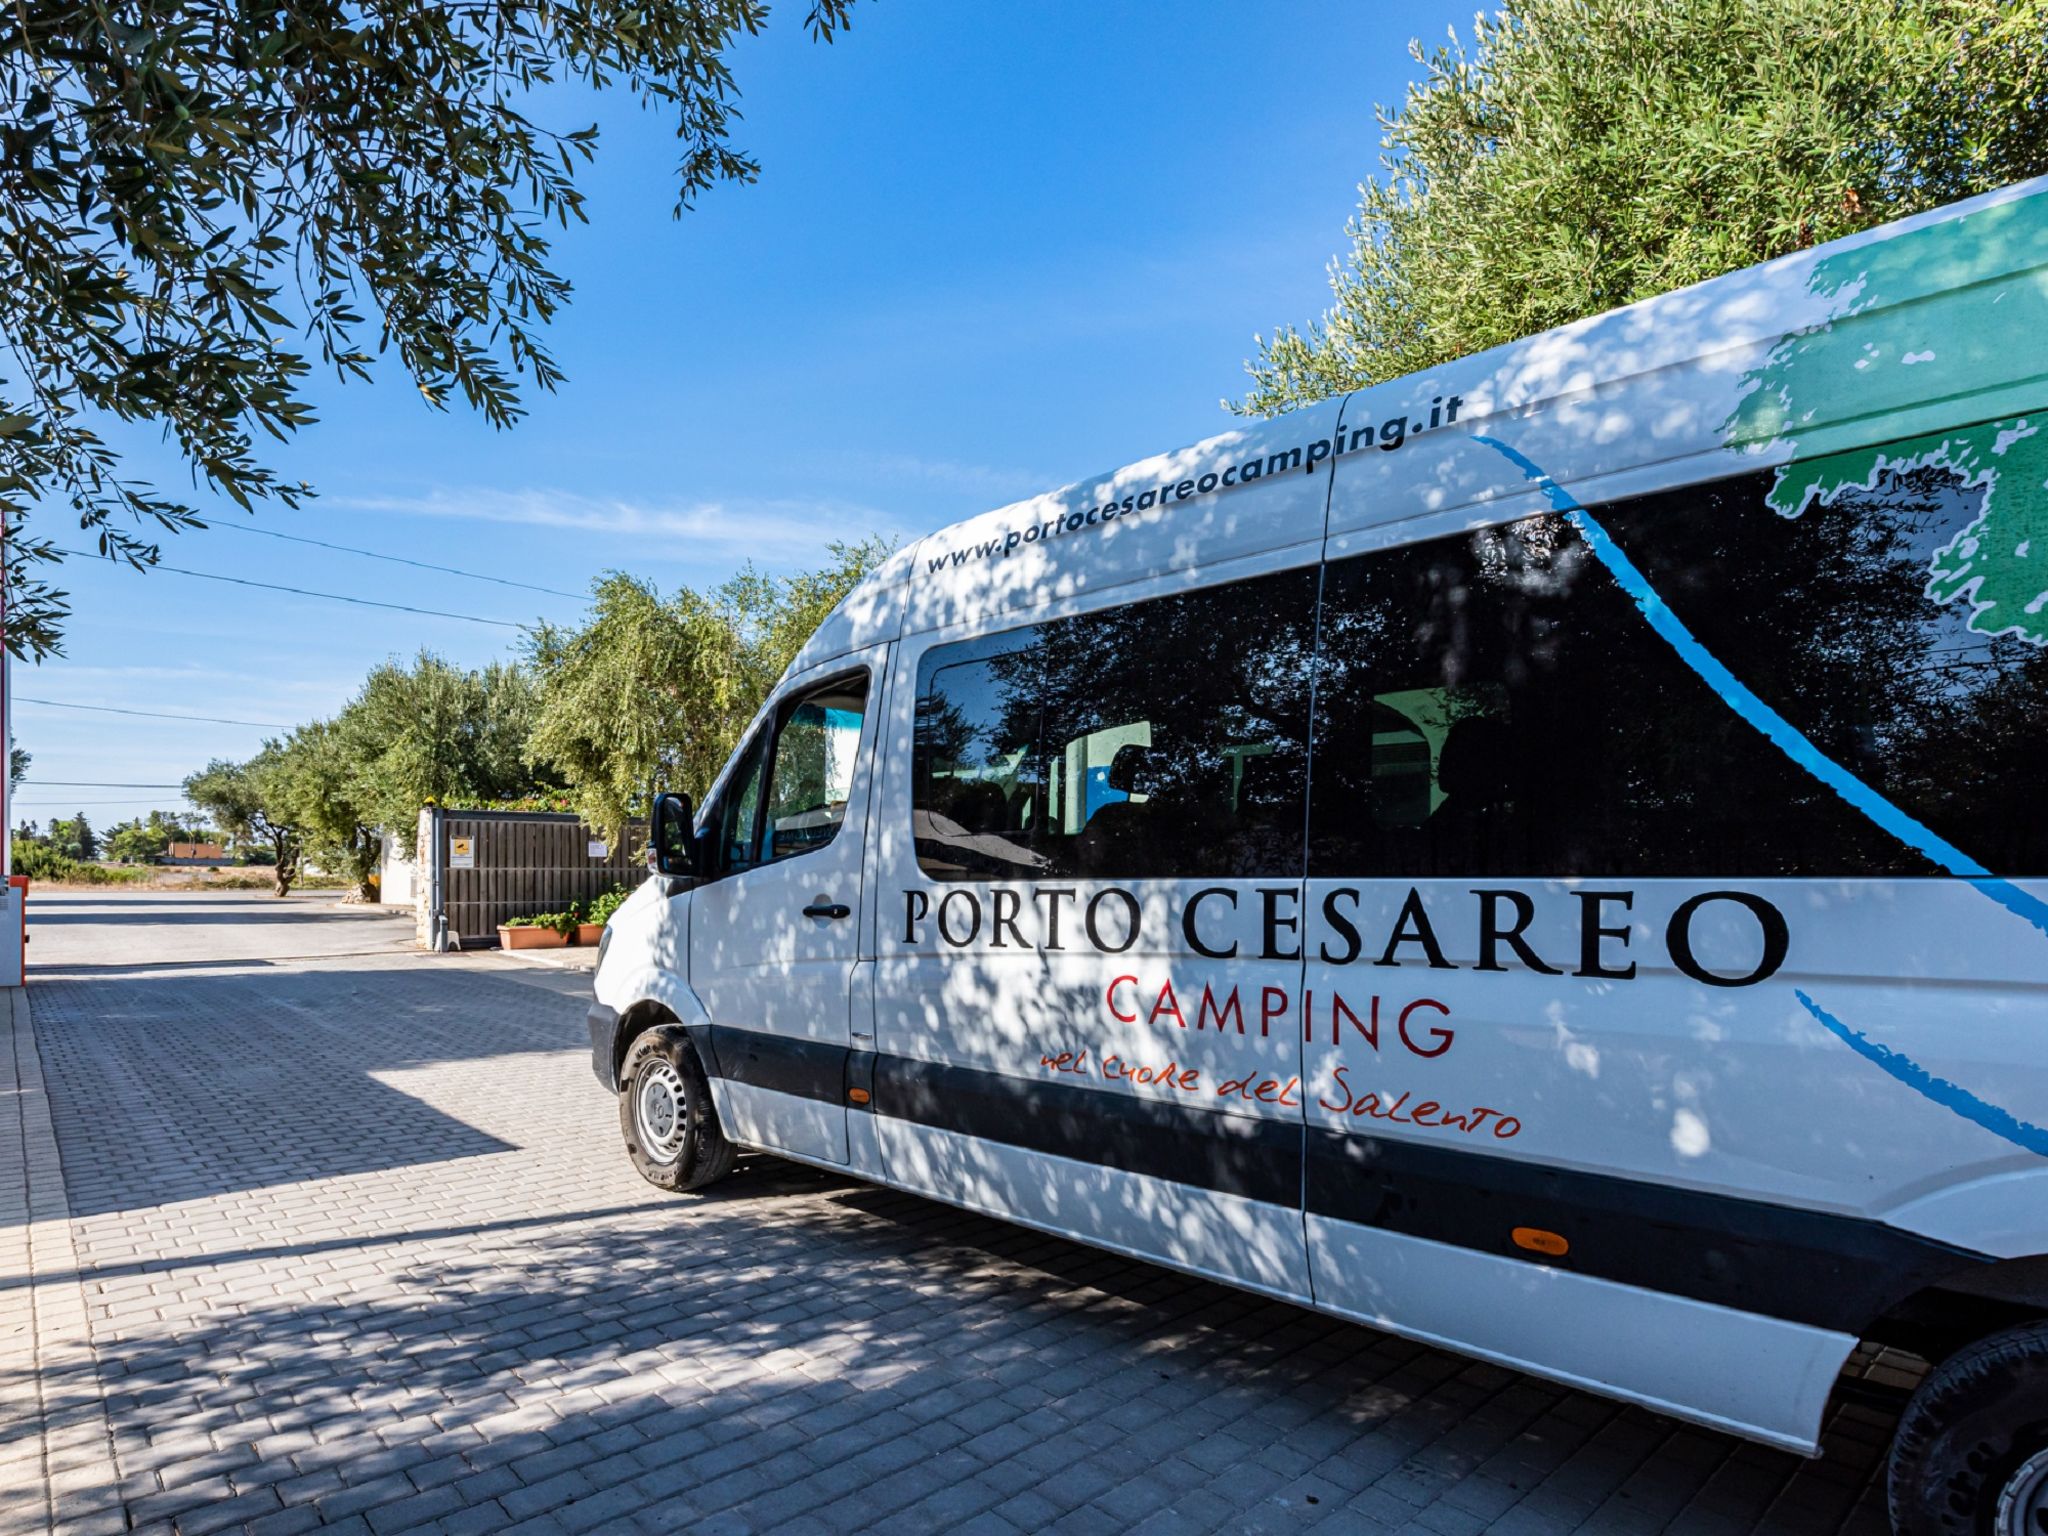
332, 597
75, 805
371, 554
93, 784
151, 714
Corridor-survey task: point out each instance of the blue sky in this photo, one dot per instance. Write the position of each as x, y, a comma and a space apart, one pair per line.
993, 249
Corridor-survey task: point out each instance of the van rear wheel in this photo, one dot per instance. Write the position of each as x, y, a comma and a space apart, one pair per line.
666, 1114
1971, 1454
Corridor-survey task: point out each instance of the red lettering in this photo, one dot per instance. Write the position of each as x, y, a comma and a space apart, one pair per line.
1370, 1031
1232, 1011
1443, 1037
1109, 998
1344, 1088
1167, 1003
1269, 1010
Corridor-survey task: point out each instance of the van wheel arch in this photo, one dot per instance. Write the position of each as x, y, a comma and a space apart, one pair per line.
1943, 1320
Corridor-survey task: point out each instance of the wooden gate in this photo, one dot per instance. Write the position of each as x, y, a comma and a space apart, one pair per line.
487, 866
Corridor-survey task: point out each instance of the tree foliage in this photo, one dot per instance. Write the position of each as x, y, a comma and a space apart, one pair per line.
436, 732
188, 186
145, 839
1584, 154
248, 801
655, 691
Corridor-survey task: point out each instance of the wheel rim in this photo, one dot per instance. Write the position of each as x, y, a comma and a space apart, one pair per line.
659, 1110
2023, 1506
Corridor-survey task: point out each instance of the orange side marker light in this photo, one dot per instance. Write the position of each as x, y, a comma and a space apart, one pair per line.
1536, 1240
858, 1095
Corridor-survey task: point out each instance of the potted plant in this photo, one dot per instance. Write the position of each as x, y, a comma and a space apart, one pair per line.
590, 928
543, 930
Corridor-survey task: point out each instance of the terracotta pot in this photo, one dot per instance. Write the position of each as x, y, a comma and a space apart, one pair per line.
531, 938
589, 933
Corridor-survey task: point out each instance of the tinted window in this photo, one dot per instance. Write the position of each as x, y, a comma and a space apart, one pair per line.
737, 816
1493, 704
1157, 740
1831, 617
813, 771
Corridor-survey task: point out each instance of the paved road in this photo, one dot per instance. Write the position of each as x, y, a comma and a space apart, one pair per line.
344, 1240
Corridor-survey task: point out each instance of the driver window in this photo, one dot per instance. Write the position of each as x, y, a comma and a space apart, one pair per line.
812, 772
738, 812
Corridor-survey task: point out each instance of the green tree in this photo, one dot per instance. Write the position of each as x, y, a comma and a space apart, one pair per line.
143, 840
75, 839
17, 766
314, 784
1584, 154
247, 801
654, 690
433, 731
187, 185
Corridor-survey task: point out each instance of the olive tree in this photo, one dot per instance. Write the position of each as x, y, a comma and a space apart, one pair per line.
201, 200
1584, 154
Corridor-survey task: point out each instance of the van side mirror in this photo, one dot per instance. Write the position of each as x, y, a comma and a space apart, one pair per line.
675, 839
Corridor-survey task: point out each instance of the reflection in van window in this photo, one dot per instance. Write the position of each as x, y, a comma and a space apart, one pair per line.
1492, 704
813, 770
1163, 739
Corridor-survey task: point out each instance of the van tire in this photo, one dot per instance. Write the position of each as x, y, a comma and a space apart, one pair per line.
666, 1113
1972, 1445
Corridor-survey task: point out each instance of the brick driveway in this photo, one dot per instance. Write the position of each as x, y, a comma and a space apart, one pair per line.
346, 1241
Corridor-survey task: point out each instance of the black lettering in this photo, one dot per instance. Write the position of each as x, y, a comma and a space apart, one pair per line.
1182, 491
1393, 433
1269, 902
1591, 933
1678, 938
1492, 934
915, 905
999, 919
1342, 924
1187, 923
974, 913
1051, 895
1290, 459
1130, 917
1451, 408
1412, 927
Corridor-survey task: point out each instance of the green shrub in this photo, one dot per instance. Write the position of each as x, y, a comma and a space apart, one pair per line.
563, 923
602, 907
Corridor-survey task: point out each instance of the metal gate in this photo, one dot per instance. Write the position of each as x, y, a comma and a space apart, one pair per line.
487, 866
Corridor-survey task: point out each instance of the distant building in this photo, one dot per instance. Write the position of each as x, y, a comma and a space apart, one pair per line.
196, 853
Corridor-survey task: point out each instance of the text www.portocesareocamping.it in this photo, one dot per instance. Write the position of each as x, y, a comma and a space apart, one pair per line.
1307, 458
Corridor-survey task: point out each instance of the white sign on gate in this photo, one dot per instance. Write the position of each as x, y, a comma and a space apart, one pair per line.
462, 853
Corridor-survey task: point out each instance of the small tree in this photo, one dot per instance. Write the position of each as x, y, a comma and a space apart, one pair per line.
246, 800
75, 839
1584, 154
653, 690
313, 784
433, 731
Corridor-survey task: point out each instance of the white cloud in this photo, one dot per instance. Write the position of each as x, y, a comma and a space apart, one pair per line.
772, 531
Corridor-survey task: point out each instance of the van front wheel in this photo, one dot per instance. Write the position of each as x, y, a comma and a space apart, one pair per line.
666, 1114
1971, 1454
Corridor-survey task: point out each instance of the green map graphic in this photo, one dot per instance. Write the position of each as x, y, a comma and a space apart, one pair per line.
1934, 314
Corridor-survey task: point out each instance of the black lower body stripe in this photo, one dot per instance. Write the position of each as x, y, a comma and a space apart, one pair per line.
1813, 1267
1230, 1154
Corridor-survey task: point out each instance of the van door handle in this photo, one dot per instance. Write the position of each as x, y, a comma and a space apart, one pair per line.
823, 907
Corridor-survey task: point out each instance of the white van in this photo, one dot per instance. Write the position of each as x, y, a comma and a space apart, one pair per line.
1544, 857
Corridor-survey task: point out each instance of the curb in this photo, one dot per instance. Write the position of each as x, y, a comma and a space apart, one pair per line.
64, 1479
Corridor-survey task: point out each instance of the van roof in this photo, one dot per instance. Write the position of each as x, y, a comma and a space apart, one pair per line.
1878, 337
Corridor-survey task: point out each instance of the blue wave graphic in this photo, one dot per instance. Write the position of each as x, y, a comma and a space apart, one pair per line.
1793, 742
1945, 1093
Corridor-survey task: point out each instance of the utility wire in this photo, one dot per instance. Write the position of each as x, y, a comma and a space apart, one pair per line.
151, 714
332, 597
371, 554
93, 784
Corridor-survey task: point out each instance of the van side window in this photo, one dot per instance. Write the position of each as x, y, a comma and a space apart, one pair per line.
1492, 704
738, 813
1162, 739
812, 772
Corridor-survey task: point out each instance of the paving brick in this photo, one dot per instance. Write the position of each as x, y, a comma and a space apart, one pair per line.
446, 1304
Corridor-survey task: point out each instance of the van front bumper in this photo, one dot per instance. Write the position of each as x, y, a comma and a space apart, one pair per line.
604, 1040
